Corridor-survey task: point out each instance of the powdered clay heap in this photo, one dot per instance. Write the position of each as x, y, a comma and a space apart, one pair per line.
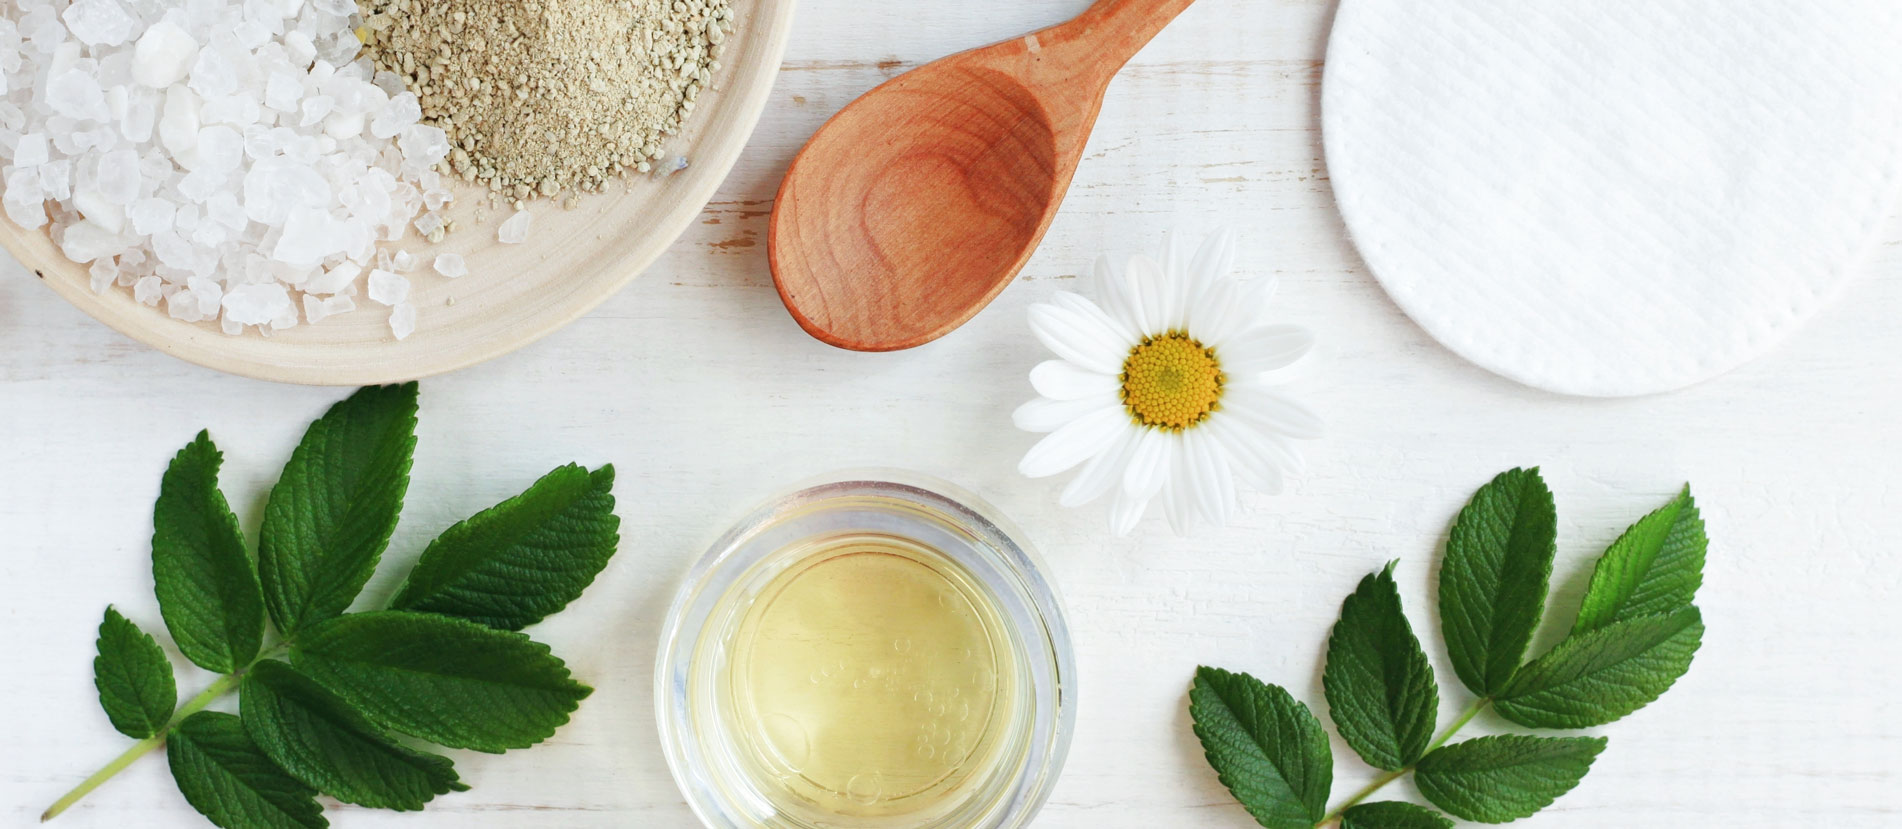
546, 97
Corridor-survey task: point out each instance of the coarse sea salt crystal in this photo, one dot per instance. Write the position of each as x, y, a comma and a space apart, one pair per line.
452, 266
151, 215
30, 151
104, 273
515, 229
256, 304
401, 111
335, 279
164, 54
218, 157
99, 22
403, 320
388, 288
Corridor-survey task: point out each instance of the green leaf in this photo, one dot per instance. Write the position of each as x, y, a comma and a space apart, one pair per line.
1493, 580
524, 559
230, 781
446, 680
207, 584
1379, 686
333, 509
1497, 779
321, 740
1268, 749
1655, 567
134, 678
1602, 675
1393, 815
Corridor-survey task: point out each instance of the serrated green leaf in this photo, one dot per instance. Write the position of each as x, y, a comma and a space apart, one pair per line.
133, 677
1380, 689
1599, 676
231, 782
524, 559
1266, 747
449, 681
1655, 567
1497, 779
1393, 814
333, 509
207, 584
1494, 578
324, 742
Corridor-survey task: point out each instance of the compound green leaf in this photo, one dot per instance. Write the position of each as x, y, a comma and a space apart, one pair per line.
524, 559
1654, 568
1267, 748
133, 677
207, 584
231, 782
333, 509
1392, 814
324, 742
1494, 578
1379, 686
1497, 779
1599, 676
446, 680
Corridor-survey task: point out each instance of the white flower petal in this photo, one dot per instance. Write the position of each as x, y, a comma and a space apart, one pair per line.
1046, 415
1178, 504
1150, 464
1175, 254
1260, 294
1264, 349
1102, 472
1075, 443
1153, 289
1271, 412
1112, 293
1064, 380
1215, 260
1127, 334
1176, 261
1126, 512
1249, 455
1216, 313
1285, 454
1212, 483
1080, 339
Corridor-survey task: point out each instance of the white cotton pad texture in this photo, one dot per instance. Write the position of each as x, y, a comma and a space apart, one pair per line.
1614, 198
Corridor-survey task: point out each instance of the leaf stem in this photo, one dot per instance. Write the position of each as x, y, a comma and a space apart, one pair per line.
1382, 781
218, 688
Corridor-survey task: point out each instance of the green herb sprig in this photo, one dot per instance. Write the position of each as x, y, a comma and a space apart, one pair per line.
445, 662
1634, 636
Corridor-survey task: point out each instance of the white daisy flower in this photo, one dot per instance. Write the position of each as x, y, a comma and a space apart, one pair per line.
1164, 389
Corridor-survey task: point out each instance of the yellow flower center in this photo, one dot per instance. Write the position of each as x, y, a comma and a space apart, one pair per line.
1171, 382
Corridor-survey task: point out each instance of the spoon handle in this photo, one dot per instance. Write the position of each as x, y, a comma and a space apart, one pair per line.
1120, 28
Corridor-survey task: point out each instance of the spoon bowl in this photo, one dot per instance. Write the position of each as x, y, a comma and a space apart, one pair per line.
914, 206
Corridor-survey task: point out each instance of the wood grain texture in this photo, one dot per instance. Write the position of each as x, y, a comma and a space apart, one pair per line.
706, 396
915, 205
513, 294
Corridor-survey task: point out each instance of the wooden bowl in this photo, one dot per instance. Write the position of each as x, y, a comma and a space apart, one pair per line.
514, 294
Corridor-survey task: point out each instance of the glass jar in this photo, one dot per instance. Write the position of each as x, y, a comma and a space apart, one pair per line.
875, 651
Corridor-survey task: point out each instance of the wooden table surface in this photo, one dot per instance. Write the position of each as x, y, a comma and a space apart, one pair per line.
703, 392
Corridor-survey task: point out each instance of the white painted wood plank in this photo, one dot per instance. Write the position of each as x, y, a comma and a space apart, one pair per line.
703, 392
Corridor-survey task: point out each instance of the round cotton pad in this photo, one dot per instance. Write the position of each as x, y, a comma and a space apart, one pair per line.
1615, 198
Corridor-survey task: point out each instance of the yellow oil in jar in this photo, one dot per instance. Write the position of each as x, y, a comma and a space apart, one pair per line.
869, 679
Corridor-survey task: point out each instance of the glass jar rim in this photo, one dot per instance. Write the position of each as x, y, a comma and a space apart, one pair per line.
1029, 603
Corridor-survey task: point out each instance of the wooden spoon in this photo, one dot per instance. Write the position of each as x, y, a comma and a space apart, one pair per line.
916, 204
